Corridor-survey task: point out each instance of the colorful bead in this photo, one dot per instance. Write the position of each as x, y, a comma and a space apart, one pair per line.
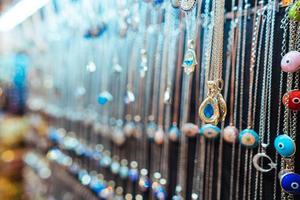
159, 136
190, 59
123, 172
129, 129
284, 145
190, 130
291, 62
294, 12
104, 98
151, 129
290, 182
249, 138
115, 167
210, 131
230, 134
133, 174
174, 133
292, 100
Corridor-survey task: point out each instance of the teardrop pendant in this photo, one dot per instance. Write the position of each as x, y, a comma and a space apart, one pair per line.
190, 59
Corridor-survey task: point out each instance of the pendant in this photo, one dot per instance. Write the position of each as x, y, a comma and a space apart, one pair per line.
144, 181
285, 145
129, 129
174, 133
249, 138
115, 166
159, 136
190, 59
124, 170
263, 155
213, 109
187, 5
150, 130
294, 12
292, 100
104, 98
289, 182
291, 62
133, 173
230, 134
190, 130
210, 131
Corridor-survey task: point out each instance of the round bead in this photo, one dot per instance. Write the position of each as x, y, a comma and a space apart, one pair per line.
129, 129
115, 167
133, 175
290, 182
230, 134
291, 62
292, 100
294, 12
249, 138
174, 133
159, 136
284, 145
123, 172
210, 131
190, 130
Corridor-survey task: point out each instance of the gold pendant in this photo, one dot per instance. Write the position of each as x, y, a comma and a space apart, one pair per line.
213, 109
190, 59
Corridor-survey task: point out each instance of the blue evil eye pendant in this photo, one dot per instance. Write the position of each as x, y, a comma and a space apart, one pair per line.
190, 59
144, 181
290, 182
174, 133
249, 138
104, 98
210, 131
213, 109
133, 173
285, 145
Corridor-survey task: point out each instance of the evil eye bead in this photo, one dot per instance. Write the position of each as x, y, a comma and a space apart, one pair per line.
190, 130
230, 134
291, 62
210, 131
294, 12
284, 145
174, 133
290, 182
104, 98
249, 138
292, 100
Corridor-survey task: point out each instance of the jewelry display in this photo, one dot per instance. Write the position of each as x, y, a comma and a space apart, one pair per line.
129, 99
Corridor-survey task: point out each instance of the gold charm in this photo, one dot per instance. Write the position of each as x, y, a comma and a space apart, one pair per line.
190, 59
213, 109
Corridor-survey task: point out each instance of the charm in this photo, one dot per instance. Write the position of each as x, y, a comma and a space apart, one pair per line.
104, 98
144, 181
159, 136
151, 129
118, 136
167, 96
292, 100
105, 160
91, 67
249, 138
294, 12
291, 61
213, 109
290, 182
129, 98
190, 59
285, 145
187, 5
115, 166
230, 134
129, 129
174, 133
133, 173
262, 155
190, 130
210, 131
123, 171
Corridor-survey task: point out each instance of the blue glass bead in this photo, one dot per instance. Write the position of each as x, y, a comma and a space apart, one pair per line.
188, 62
74, 169
210, 131
144, 183
123, 172
160, 193
104, 98
284, 145
54, 136
290, 182
96, 185
133, 175
158, 2
249, 138
208, 111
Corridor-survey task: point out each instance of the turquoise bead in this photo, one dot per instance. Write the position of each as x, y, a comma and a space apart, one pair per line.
284, 145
